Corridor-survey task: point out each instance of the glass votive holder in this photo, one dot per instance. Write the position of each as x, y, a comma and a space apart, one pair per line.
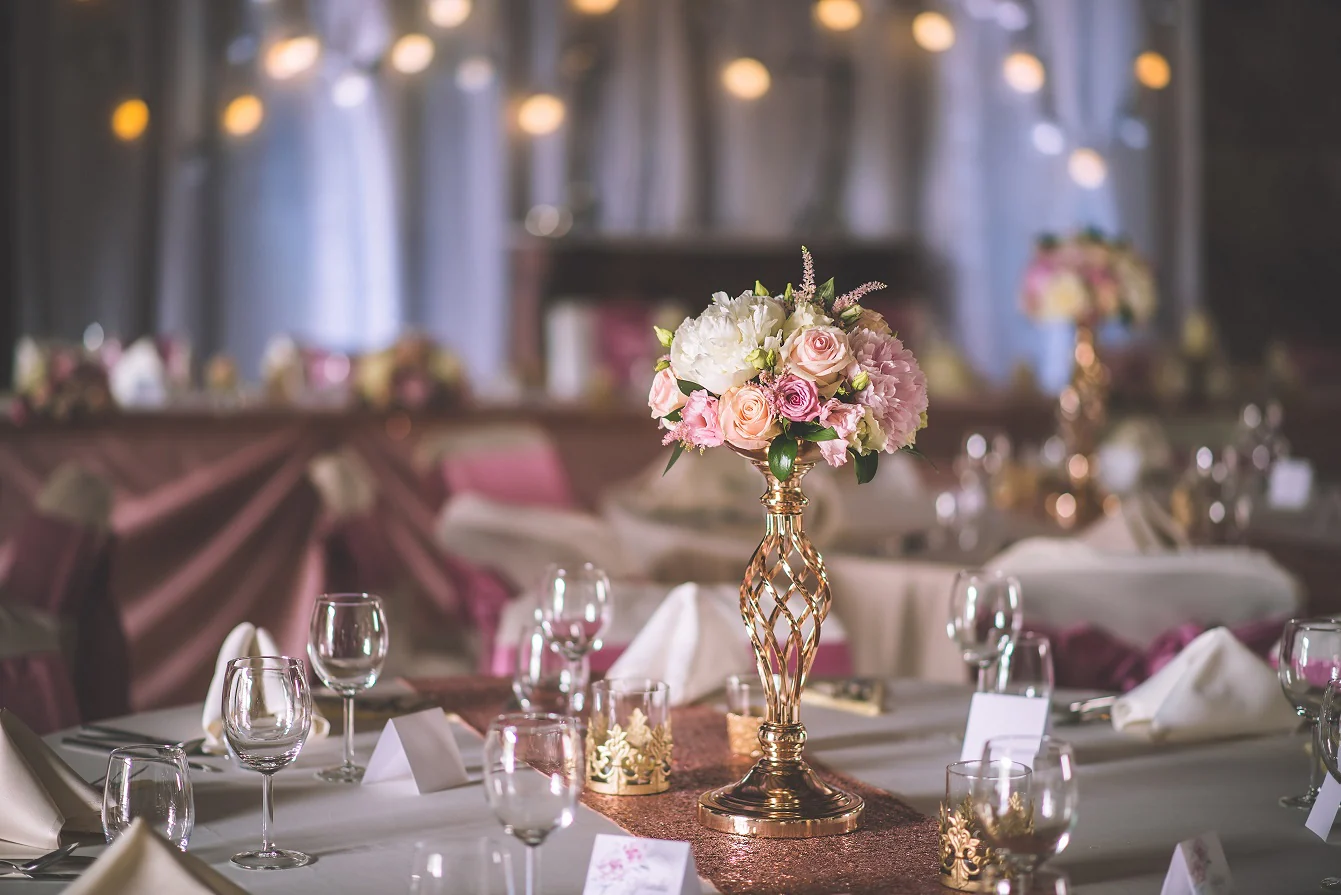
629, 737
746, 709
968, 863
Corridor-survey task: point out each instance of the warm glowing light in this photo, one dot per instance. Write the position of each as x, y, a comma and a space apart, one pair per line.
243, 115
1087, 168
290, 58
412, 54
594, 7
1152, 70
540, 114
350, 89
838, 15
933, 32
474, 73
1078, 467
1024, 72
448, 13
1066, 506
548, 220
130, 119
746, 78
1048, 138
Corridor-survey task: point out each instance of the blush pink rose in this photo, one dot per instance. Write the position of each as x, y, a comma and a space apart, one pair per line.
747, 417
819, 354
797, 399
698, 425
844, 419
665, 396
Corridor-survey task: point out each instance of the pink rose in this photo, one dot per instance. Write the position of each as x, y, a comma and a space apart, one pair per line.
819, 354
843, 419
698, 425
797, 399
834, 452
747, 417
665, 396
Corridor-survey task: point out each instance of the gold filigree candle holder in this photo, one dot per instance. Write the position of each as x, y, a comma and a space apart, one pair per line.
629, 737
968, 863
745, 710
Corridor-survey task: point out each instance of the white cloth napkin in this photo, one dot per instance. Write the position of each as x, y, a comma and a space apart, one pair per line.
1214, 688
1140, 525
139, 378
41, 796
140, 862
244, 640
692, 642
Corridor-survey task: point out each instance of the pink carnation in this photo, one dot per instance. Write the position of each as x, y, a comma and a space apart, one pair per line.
797, 399
843, 419
698, 425
897, 393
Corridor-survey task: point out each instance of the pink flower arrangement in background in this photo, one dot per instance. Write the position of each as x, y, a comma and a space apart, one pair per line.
767, 374
1087, 279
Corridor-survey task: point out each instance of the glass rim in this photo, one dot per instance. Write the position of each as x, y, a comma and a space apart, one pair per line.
971, 769
264, 662
163, 752
1046, 740
351, 598
538, 719
636, 685
1319, 622
565, 569
1030, 637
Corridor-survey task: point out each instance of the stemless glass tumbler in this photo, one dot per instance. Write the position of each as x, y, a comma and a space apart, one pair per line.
985, 615
151, 783
347, 644
1310, 658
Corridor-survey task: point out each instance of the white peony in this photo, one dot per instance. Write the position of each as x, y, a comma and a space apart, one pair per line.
713, 349
805, 315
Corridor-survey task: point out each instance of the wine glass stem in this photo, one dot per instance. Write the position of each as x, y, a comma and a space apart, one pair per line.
1316, 769
579, 673
267, 812
532, 869
349, 731
982, 677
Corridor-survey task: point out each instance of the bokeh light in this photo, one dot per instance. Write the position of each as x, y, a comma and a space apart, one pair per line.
1048, 138
1087, 168
540, 114
838, 15
1152, 70
594, 7
746, 78
130, 119
1024, 72
933, 32
243, 115
412, 54
290, 58
448, 13
350, 89
474, 73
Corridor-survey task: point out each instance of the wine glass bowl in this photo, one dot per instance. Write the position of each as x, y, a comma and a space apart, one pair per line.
1327, 745
347, 643
545, 680
1310, 659
1026, 667
984, 616
575, 609
1029, 817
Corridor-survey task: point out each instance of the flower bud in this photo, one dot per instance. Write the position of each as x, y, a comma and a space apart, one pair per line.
860, 381
758, 358
850, 313
664, 336
662, 363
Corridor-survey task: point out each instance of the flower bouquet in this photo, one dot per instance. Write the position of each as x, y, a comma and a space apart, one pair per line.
1087, 279
59, 382
773, 375
413, 374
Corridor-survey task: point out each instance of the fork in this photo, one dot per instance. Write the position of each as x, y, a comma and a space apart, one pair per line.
38, 864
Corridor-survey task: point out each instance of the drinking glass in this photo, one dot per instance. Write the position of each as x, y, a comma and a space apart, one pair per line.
347, 645
984, 615
1310, 657
1027, 817
151, 783
629, 736
267, 714
575, 613
461, 867
545, 680
1025, 668
746, 709
533, 774
1327, 744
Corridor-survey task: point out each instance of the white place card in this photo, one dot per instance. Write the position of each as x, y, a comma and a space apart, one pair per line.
1199, 868
419, 747
1002, 714
1290, 486
624, 865
1323, 813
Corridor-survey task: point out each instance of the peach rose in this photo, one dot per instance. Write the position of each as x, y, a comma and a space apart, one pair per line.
746, 417
665, 396
819, 354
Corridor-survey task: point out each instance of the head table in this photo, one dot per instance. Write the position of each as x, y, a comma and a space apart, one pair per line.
1137, 801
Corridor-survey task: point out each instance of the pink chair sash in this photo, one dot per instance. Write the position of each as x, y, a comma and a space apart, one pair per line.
529, 475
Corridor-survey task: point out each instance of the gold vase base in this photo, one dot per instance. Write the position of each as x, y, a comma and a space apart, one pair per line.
780, 800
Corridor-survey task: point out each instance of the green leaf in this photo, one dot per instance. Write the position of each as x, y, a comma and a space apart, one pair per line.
866, 465
675, 455
687, 387
826, 433
760, 289
912, 449
674, 416
824, 295
800, 429
782, 457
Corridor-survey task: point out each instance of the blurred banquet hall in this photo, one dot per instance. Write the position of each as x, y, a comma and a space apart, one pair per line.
388, 389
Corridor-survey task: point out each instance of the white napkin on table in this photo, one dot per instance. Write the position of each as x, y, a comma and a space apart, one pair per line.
244, 640
139, 378
692, 642
41, 796
1214, 688
140, 862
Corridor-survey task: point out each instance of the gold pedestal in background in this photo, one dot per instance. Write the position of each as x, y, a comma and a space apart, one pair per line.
1082, 412
784, 600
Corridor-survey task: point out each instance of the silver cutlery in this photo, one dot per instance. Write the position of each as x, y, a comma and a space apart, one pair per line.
1099, 708
193, 746
105, 747
41, 862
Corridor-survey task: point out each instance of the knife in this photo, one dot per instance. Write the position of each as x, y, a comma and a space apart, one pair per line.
105, 748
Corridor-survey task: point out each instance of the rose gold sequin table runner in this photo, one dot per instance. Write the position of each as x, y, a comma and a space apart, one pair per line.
894, 853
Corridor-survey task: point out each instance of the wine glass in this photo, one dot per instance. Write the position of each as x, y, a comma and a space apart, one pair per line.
1027, 817
533, 774
1026, 668
267, 714
575, 613
347, 644
545, 680
461, 867
1327, 743
1310, 657
985, 615
151, 783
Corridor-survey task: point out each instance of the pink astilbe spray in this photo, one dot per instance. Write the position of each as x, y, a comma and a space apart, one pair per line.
807, 290
847, 299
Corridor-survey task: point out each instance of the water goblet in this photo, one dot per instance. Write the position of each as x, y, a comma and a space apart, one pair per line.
575, 612
478, 866
151, 783
533, 775
347, 644
1025, 667
985, 615
1327, 744
545, 680
1310, 657
1027, 817
267, 714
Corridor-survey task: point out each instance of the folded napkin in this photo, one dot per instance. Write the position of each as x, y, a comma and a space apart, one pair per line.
692, 642
1214, 688
1140, 525
43, 798
141, 862
244, 640
139, 378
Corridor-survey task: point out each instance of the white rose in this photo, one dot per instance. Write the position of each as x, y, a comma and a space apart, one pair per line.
1065, 297
713, 348
868, 435
806, 314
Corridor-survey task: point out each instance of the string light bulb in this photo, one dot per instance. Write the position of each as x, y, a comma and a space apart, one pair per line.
594, 7
412, 54
448, 13
933, 32
1024, 72
243, 115
474, 73
1152, 70
746, 78
130, 119
541, 114
838, 15
350, 89
1087, 168
290, 58
1048, 138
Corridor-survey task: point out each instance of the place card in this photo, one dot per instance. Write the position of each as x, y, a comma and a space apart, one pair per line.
1199, 868
1323, 813
624, 865
419, 747
1290, 486
1002, 714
